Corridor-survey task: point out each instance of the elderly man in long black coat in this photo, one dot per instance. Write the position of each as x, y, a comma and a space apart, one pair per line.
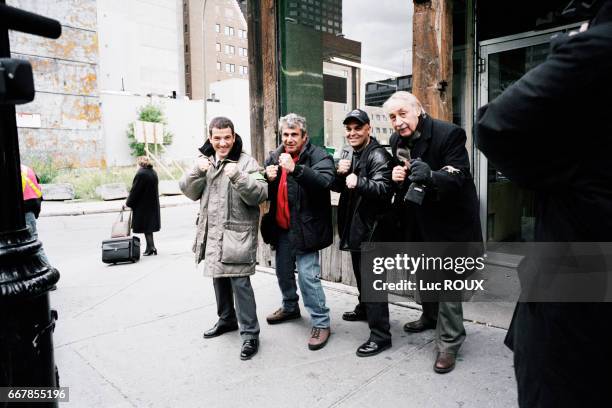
441, 206
551, 132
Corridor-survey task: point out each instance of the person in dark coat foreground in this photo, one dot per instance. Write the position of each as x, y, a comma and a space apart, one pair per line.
551, 132
144, 202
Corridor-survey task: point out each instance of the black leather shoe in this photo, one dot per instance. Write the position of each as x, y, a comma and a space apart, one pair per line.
150, 252
372, 348
419, 325
249, 349
357, 315
219, 329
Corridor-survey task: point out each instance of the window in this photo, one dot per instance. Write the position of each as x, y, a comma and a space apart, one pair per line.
217, 28
229, 31
218, 47
242, 34
230, 68
243, 52
218, 65
187, 68
186, 28
244, 70
230, 49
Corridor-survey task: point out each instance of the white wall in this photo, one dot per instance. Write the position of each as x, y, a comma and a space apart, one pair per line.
184, 117
233, 96
141, 42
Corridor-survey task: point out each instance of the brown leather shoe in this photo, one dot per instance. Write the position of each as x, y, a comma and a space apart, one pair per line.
281, 315
419, 325
445, 362
318, 338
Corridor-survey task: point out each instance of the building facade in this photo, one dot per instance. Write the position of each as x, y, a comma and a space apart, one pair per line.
216, 50
63, 123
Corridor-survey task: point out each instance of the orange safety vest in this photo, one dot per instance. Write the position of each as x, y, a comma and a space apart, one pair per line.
29, 184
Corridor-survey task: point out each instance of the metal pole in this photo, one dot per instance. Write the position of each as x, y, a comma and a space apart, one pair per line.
26, 321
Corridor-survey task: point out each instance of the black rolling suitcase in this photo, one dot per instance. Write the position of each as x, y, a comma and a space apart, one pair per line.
124, 249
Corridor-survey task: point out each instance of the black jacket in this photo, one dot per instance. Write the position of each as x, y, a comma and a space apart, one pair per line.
144, 201
308, 190
551, 132
450, 211
362, 211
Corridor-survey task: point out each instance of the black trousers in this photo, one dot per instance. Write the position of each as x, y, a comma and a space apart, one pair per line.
377, 312
238, 292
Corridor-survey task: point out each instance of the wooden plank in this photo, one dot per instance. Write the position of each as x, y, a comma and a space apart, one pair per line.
432, 57
263, 80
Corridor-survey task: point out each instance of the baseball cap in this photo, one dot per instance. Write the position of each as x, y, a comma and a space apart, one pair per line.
358, 115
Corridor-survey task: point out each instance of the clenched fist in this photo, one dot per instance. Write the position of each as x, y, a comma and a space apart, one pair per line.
343, 166
203, 163
399, 173
230, 169
351, 181
286, 162
271, 172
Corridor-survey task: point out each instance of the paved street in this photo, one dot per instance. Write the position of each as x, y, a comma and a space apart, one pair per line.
130, 336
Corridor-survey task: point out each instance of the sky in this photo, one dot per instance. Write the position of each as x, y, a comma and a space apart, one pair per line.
384, 28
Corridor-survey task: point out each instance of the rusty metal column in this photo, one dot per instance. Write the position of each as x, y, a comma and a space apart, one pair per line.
26, 321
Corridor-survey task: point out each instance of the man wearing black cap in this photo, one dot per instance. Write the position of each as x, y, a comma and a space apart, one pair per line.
364, 181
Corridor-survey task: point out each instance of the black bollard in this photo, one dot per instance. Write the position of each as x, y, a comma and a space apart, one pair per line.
26, 321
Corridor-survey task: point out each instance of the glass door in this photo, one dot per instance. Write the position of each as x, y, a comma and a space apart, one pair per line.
507, 211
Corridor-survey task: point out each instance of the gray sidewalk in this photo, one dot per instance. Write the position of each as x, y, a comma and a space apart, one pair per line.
131, 336
76, 207
138, 344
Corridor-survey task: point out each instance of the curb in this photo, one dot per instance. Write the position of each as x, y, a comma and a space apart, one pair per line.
63, 213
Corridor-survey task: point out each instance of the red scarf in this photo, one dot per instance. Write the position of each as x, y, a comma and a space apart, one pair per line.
282, 199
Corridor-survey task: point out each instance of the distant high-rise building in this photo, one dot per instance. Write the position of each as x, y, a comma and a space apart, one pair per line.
377, 92
219, 50
322, 15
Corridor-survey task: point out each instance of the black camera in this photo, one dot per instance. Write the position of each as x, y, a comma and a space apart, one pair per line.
416, 192
16, 81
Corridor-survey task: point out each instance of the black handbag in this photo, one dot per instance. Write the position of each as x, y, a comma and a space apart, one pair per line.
268, 228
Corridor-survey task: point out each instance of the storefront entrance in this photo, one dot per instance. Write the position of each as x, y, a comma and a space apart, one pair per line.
507, 211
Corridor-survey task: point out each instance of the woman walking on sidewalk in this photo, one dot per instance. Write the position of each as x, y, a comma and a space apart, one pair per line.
144, 202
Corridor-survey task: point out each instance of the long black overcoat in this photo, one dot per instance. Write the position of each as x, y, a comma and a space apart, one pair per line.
144, 201
449, 212
551, 131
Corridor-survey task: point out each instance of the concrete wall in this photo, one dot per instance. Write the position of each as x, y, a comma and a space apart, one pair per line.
141, 46
233, 96
184, 117
66, 79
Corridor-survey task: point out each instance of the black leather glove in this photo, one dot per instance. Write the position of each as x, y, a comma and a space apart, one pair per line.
420, 172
